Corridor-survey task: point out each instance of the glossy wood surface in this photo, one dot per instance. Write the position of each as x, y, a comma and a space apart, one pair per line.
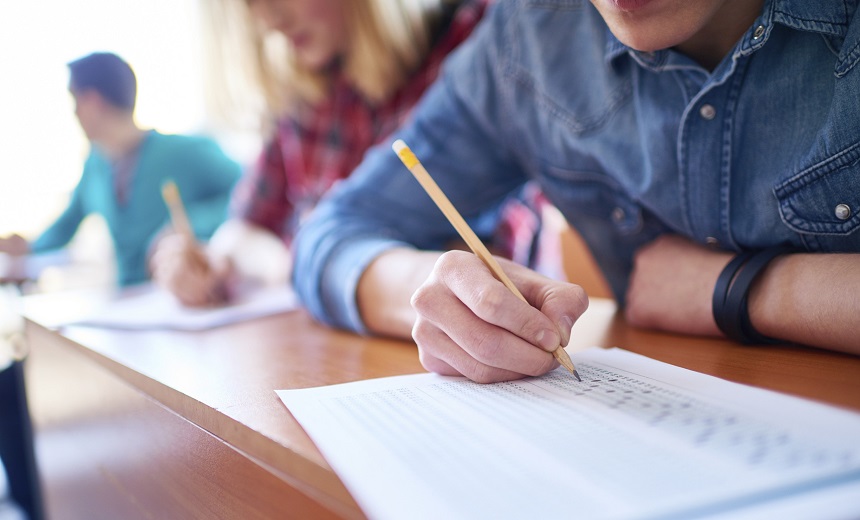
108, 451
223, 380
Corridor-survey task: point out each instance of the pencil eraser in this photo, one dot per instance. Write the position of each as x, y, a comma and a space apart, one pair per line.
404, 153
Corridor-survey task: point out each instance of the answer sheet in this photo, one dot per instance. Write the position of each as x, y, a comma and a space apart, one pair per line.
637, 438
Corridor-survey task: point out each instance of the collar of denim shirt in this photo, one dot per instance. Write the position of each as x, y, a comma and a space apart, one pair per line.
827, 17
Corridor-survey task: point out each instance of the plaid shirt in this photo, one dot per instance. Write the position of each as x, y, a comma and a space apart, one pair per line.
308, 154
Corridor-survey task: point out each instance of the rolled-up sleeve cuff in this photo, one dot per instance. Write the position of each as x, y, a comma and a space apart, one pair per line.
341, 276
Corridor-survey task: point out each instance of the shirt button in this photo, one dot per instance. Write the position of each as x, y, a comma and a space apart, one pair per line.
618, 215
711, 241
708, 111
843, 211
759, 32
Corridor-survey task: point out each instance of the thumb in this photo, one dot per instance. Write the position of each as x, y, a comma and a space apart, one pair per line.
563, 303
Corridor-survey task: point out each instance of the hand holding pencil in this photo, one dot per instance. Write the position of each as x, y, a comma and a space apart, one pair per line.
494, 311
180, 264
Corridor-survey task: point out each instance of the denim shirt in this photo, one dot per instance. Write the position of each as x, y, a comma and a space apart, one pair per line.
764, 150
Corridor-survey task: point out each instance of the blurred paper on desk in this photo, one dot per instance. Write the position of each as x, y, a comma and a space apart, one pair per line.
29, 267
150, 307
637, 438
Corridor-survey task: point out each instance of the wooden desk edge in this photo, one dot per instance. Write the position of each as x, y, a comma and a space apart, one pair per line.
320, 483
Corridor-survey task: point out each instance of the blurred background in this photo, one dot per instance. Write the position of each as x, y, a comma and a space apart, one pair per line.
42, 148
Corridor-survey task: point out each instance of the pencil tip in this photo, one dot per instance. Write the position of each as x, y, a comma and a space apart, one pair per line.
576, 375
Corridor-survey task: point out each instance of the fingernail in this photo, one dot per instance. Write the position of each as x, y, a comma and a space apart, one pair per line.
548, 340
564, 326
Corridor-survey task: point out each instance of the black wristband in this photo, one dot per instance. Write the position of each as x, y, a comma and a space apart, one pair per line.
730, 302
725, 321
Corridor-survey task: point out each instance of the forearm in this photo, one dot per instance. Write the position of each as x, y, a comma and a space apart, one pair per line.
386, 287
61, 231
812, 299
380, 207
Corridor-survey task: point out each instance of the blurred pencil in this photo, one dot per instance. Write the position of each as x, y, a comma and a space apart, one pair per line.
417, 169
178, 217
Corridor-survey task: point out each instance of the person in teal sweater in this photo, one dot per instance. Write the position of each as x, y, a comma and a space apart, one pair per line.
125, 170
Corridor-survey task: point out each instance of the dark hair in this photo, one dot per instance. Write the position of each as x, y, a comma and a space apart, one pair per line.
107, 74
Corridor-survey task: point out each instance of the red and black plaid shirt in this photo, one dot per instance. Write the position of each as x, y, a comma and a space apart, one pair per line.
308, 154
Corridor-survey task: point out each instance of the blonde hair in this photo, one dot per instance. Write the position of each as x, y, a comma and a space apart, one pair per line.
252, 72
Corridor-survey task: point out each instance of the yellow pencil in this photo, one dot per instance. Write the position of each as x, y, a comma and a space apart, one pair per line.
414, 165
179, 218
170, 193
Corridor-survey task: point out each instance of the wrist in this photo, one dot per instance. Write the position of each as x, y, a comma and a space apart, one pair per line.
770, 298
732, 292
385, 289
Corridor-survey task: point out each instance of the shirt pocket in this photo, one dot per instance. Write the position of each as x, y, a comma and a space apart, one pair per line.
822, 203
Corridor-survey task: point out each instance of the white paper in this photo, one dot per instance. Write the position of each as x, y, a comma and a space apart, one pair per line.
150, 307
636, 439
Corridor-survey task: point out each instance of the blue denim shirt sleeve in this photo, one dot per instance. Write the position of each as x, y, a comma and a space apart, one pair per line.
381, 206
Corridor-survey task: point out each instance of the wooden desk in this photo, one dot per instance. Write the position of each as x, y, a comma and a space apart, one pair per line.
208, 437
